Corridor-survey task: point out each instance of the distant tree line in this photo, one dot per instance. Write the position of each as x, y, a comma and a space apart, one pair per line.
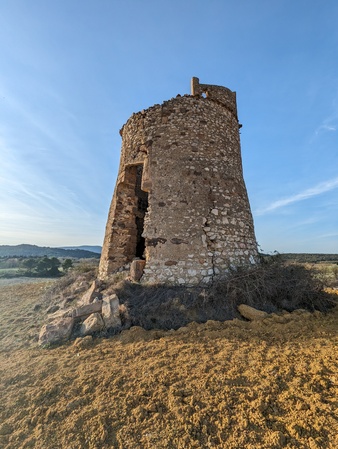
310, 258
25, 250
46, 267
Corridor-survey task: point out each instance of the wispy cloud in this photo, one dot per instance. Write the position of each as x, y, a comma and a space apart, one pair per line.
328, 236
329, 123
325, 127
320, 188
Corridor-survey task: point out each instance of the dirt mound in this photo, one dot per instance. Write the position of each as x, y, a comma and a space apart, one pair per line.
237, 384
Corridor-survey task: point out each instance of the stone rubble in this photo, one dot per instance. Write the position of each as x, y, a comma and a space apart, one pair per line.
92, 315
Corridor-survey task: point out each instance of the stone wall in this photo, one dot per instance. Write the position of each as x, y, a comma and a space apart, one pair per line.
191, 200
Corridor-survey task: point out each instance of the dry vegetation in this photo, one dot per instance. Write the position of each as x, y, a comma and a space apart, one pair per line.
272, 287
269, 384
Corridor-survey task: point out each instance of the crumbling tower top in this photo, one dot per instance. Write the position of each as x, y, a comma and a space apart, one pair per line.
218, 94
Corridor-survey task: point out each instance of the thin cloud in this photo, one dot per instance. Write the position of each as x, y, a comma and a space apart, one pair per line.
308, 193
325, 127
330, 123
328, 236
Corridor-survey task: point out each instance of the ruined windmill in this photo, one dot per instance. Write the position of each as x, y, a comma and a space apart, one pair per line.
180, 207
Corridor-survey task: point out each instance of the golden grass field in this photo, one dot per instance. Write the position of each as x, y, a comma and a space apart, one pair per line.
237, 384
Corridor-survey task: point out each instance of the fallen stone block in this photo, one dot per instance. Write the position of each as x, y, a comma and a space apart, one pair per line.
250, 313
111, 312
87, 309
57, 331
94, 323
92, 293
136, 269
68, 313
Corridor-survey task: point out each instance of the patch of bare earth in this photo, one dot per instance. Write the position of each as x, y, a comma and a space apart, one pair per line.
235, 384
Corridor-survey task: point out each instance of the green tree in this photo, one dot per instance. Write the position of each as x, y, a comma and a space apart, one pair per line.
30, 264
67, 264
48, 267
54, 267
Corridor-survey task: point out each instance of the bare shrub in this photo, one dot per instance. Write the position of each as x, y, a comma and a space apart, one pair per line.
271, 286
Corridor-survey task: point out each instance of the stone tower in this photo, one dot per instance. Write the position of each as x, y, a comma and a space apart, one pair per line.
180, 201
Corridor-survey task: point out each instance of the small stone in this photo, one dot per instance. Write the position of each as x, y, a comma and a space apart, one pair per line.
250, 313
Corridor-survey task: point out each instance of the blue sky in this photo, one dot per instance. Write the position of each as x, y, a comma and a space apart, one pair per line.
73, 71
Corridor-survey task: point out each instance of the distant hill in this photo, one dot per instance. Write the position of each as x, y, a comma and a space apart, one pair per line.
40, 251
93, 249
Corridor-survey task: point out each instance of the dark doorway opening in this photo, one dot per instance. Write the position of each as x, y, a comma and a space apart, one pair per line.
142, 206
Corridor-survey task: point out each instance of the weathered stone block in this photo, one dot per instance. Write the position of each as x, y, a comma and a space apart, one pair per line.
56, 331
111, 311
87, 309
94, 323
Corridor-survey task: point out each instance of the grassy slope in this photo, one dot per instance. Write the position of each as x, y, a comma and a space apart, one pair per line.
214, 385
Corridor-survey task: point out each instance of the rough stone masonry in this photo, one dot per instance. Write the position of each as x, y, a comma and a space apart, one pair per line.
180, 203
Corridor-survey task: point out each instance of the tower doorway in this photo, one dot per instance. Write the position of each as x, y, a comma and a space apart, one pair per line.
142, 207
